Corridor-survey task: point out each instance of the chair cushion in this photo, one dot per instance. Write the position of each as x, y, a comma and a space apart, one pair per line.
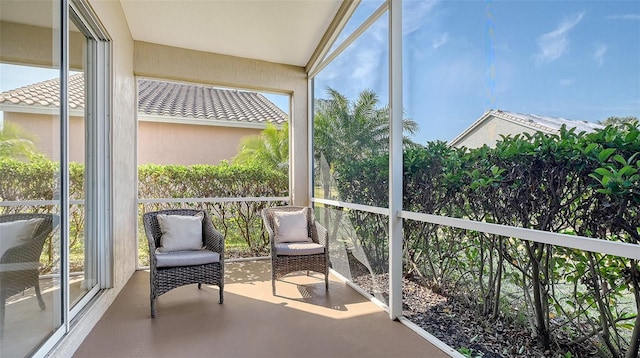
180, 232
291, 226
14, 233
299, 248
186, 258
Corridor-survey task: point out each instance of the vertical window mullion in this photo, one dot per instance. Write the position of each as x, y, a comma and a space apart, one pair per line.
64, 161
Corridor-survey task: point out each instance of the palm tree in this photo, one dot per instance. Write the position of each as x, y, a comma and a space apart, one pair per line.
269, 149
345, 131
15, 143
620, 122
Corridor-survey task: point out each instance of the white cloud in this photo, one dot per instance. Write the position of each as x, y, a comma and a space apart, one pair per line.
566, 82
368, 61
415, 14
624, 17
440, 41
598, 54
554, 44
361, 65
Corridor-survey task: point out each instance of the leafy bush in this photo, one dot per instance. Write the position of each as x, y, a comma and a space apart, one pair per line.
575, 183
238, 220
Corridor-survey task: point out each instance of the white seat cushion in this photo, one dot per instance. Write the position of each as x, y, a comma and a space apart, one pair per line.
291, 226
298, 248
186, 258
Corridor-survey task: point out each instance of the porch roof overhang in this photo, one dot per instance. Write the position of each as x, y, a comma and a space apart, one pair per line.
278, 31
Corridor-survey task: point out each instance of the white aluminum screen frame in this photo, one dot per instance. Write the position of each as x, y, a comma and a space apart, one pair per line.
395, 209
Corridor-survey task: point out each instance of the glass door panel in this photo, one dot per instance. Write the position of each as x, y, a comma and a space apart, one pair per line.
30, 238
82, 272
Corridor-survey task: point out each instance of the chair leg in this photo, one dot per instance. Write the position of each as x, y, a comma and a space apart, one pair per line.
153, 307
273, 286
39, 295
221, 294
2, 302
326, 282
199, 285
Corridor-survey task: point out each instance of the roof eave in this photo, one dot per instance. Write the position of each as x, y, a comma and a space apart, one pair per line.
36, 109
203, 122
460, 137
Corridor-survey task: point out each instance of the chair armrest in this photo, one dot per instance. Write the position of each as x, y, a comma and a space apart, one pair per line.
213, 239
323, 235
150, 239
266, 220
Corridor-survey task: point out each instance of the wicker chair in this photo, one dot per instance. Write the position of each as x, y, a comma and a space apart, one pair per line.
164, 279
283, 263
19, 265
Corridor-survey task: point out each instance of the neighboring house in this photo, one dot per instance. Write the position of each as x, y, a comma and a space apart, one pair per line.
177, 123
495, 123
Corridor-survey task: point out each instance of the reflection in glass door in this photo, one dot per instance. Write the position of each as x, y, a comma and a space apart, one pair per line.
30, 163
53, 170
82, 272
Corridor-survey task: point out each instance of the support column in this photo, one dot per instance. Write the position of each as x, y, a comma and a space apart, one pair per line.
395, 158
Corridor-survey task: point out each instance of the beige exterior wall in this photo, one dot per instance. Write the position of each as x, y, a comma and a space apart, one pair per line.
489, 133
46, 129
186, 144
158, 142
164, 62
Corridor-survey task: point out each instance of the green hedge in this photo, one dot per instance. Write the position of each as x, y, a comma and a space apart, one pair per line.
573, 183
239, 221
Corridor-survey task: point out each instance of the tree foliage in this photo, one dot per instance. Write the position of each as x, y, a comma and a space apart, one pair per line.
16, 143
620, 121
572, 183
269, 149
346, 131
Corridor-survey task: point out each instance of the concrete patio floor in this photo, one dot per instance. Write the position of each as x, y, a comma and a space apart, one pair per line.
301, 321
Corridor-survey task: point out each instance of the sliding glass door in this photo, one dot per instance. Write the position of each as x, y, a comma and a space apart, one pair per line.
53, 170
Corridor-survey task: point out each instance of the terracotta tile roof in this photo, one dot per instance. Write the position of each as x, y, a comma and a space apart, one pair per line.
159, 98
196, 101
46, 94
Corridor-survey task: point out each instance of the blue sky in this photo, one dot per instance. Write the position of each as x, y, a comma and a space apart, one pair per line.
14, 76
571, 59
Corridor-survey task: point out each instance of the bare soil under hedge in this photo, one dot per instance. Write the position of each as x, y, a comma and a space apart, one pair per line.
462, 327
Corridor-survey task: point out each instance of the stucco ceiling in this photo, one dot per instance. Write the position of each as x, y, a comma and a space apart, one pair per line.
280, 31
